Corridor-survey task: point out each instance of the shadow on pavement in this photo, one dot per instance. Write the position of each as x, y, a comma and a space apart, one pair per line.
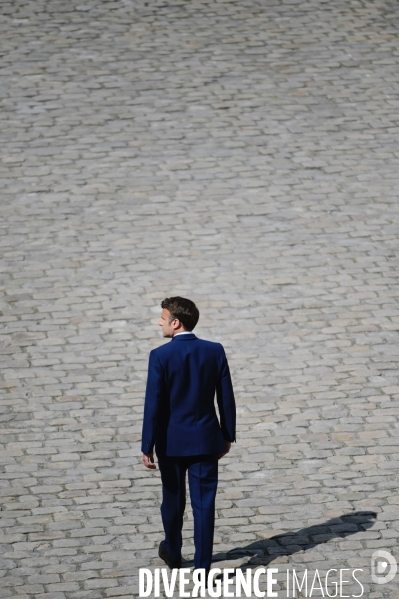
265, 551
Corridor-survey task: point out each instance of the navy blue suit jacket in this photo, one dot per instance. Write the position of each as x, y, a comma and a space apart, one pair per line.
179, 413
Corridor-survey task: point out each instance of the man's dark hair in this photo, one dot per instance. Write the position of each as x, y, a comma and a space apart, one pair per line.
183, 309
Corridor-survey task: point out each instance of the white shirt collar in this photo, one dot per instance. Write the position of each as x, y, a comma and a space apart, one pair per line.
183, 333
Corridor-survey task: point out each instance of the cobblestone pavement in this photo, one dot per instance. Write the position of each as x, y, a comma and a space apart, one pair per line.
242, 153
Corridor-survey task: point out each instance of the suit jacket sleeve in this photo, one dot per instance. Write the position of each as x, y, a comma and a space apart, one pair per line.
226, 403
153, 397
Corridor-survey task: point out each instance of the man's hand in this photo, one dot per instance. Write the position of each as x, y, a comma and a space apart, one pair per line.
148, 460
228, 445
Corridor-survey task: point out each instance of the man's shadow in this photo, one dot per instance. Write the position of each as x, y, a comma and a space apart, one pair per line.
263, 552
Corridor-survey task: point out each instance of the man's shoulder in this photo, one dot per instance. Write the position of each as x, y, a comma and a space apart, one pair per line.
212, 345
161, 349
173, 345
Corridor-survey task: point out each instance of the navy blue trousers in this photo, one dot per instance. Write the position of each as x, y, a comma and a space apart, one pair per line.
203, 480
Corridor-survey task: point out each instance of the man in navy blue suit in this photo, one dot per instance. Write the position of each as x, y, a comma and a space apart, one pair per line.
180, 420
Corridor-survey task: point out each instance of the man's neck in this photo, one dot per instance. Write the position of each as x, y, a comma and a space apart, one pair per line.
182, 333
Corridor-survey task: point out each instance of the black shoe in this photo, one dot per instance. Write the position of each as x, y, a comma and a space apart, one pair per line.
163, 554
214, 579
206, 576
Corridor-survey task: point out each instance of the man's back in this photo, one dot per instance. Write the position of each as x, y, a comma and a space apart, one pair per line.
180, 415
180, 419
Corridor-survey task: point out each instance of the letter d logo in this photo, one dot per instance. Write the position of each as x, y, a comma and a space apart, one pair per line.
380, 573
